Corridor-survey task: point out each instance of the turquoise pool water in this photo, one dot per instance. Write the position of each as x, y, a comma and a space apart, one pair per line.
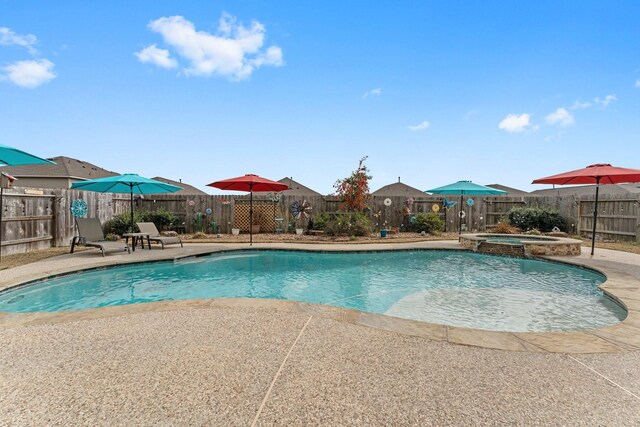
447, 287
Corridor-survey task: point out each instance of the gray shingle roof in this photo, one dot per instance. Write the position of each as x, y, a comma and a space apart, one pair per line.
510, 190
588, 190
399, 189
186, 188
65, 167
297, 189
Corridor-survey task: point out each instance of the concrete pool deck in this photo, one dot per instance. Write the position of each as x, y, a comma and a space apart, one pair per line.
262, 362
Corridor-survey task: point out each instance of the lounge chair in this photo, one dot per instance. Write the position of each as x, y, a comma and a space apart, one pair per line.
90, 234
154, 235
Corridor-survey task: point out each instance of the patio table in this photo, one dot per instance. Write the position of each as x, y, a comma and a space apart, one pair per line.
135, 238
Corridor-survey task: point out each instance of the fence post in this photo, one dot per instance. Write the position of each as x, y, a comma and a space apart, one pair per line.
637, 206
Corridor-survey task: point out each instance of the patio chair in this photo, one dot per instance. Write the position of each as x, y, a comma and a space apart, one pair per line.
154, 235
90, 234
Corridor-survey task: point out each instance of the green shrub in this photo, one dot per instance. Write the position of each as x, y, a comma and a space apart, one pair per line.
543, 219
347, 224
320, 221
429, 222
162, 218
121, 224
112, 237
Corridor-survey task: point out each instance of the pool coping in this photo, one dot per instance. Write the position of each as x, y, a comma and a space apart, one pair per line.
622, 287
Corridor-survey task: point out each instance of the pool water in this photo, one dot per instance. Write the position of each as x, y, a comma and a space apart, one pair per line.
446, 287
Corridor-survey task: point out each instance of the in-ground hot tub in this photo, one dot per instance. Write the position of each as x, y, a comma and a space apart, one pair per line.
532, 245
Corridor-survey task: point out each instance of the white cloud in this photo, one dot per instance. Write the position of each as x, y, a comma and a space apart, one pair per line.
422, 126
560, 117
9, 38
235, 51
373, 92
29, 74
159, 57
638, 84
470, 115
579, 105
514, 123
606, 101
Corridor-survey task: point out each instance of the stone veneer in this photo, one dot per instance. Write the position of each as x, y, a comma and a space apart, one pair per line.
556, 247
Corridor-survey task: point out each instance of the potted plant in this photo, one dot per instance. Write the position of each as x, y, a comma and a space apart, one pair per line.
234, 231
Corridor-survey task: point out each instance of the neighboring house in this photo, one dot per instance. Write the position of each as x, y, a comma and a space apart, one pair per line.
187, 190
297, 189
61, 175
511, 192
589, 190
399, 189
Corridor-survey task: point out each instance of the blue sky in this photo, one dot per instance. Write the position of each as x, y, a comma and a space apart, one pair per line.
433, 92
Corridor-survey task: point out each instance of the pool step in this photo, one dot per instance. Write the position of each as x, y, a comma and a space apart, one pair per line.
501, 249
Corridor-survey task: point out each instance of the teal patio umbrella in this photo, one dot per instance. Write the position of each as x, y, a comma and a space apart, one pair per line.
127, 183
10, 156
465, 188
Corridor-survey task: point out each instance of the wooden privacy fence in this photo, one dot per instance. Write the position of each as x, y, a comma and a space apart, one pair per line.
232, 211
38, 221
618, 217
33, 221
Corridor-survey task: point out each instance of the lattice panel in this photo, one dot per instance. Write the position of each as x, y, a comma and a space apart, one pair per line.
265, 212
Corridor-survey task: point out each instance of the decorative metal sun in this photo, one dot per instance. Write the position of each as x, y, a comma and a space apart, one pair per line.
79, 208
301, 209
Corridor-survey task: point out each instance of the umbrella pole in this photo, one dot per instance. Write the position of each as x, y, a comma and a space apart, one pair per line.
251, 217
131, 208
444, 209
595, 216
460, 217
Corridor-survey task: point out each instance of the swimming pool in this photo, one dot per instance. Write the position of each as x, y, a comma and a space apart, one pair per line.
447, 287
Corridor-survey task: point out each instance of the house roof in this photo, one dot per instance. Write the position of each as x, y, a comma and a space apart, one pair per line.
297, 189
399, 189
510, 190
186, 188
588, 190
65, 167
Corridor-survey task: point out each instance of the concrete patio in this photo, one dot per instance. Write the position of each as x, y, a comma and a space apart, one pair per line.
261, 362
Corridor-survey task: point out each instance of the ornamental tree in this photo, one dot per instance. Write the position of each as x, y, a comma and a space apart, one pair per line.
354, 190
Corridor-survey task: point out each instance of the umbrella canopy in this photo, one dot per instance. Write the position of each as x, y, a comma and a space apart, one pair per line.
127, 183
251, 183
462, 188
601, 173
465, 187
10, 156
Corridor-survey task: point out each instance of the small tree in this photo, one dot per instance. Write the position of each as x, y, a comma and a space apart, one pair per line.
354, 190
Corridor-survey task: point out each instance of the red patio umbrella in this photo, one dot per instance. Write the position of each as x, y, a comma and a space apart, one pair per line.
602, 173
251, 183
